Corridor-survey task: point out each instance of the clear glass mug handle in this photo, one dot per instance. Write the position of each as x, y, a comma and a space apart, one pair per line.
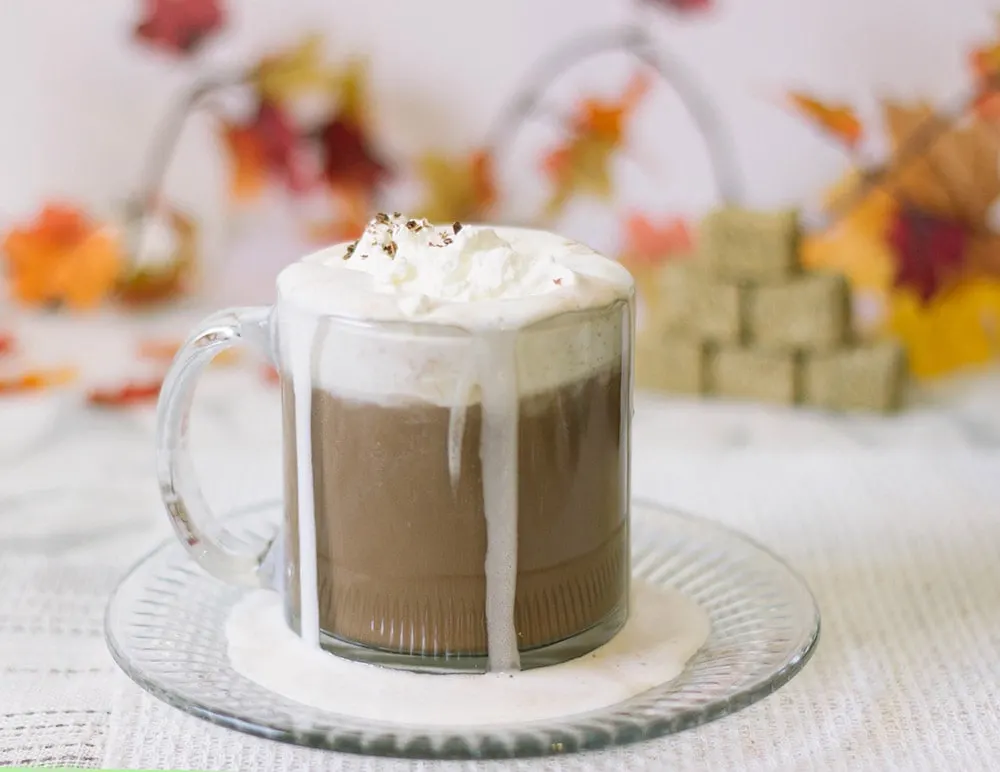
230, 558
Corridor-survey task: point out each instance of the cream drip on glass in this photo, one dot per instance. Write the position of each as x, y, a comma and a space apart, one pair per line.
471, 279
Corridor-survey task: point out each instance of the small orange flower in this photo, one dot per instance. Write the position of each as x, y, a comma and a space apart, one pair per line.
61, 257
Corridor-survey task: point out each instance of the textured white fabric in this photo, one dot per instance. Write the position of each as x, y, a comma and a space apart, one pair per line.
895, 524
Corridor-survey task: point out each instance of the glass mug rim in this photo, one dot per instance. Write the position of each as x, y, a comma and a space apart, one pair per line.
268, 563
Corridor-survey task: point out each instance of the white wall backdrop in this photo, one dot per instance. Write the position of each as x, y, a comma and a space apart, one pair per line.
81, 100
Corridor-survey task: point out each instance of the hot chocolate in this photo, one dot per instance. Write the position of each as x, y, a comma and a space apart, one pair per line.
456, 403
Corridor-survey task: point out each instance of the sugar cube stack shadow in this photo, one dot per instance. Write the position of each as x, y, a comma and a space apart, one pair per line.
743, 320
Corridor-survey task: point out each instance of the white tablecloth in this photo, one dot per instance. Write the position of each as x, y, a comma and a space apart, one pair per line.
894, 523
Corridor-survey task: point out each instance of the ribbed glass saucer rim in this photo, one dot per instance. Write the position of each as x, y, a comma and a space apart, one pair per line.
471, 737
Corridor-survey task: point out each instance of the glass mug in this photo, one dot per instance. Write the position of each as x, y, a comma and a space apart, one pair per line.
387, 479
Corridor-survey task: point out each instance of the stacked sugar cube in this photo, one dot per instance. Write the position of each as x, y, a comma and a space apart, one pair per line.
742, 320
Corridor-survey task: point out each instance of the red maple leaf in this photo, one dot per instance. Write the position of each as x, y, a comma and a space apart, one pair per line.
929, 250
282, 146
348, 158
684, 6
179, 26
268, 146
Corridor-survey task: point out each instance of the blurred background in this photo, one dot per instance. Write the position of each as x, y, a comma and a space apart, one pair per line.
163, 157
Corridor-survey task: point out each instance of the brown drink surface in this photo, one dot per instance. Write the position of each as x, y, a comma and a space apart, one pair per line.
401, 549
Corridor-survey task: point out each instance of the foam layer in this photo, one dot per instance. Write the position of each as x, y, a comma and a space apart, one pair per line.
422, 349
483, 278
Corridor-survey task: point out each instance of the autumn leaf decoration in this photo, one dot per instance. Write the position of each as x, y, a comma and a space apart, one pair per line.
269, 145
835, 120
129, 394
462, 188
31, 379
684, 6
299, 71
855, 245
350, 164
351, 169
36, 380
582, 164
62, 257
336, 152
944, 195
651, 242
917, 229
648, 245
946, 306
984, 61
179, 27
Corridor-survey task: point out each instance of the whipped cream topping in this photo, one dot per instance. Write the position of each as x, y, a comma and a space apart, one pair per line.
423, 264
469, 276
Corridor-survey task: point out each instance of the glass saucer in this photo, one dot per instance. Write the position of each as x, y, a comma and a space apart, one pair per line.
165, 626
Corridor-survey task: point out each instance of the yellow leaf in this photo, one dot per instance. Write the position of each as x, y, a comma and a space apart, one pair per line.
957, 329
294, 73
837, 120
457, 189
583, 167
855, 245
352, 89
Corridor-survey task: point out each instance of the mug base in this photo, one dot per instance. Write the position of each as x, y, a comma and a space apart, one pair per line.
555, 653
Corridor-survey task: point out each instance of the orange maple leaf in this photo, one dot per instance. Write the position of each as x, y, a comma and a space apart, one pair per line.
62, 257
838, 120
606, 119
269, 145
249, 167
984, 61
581, 164
648, 242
